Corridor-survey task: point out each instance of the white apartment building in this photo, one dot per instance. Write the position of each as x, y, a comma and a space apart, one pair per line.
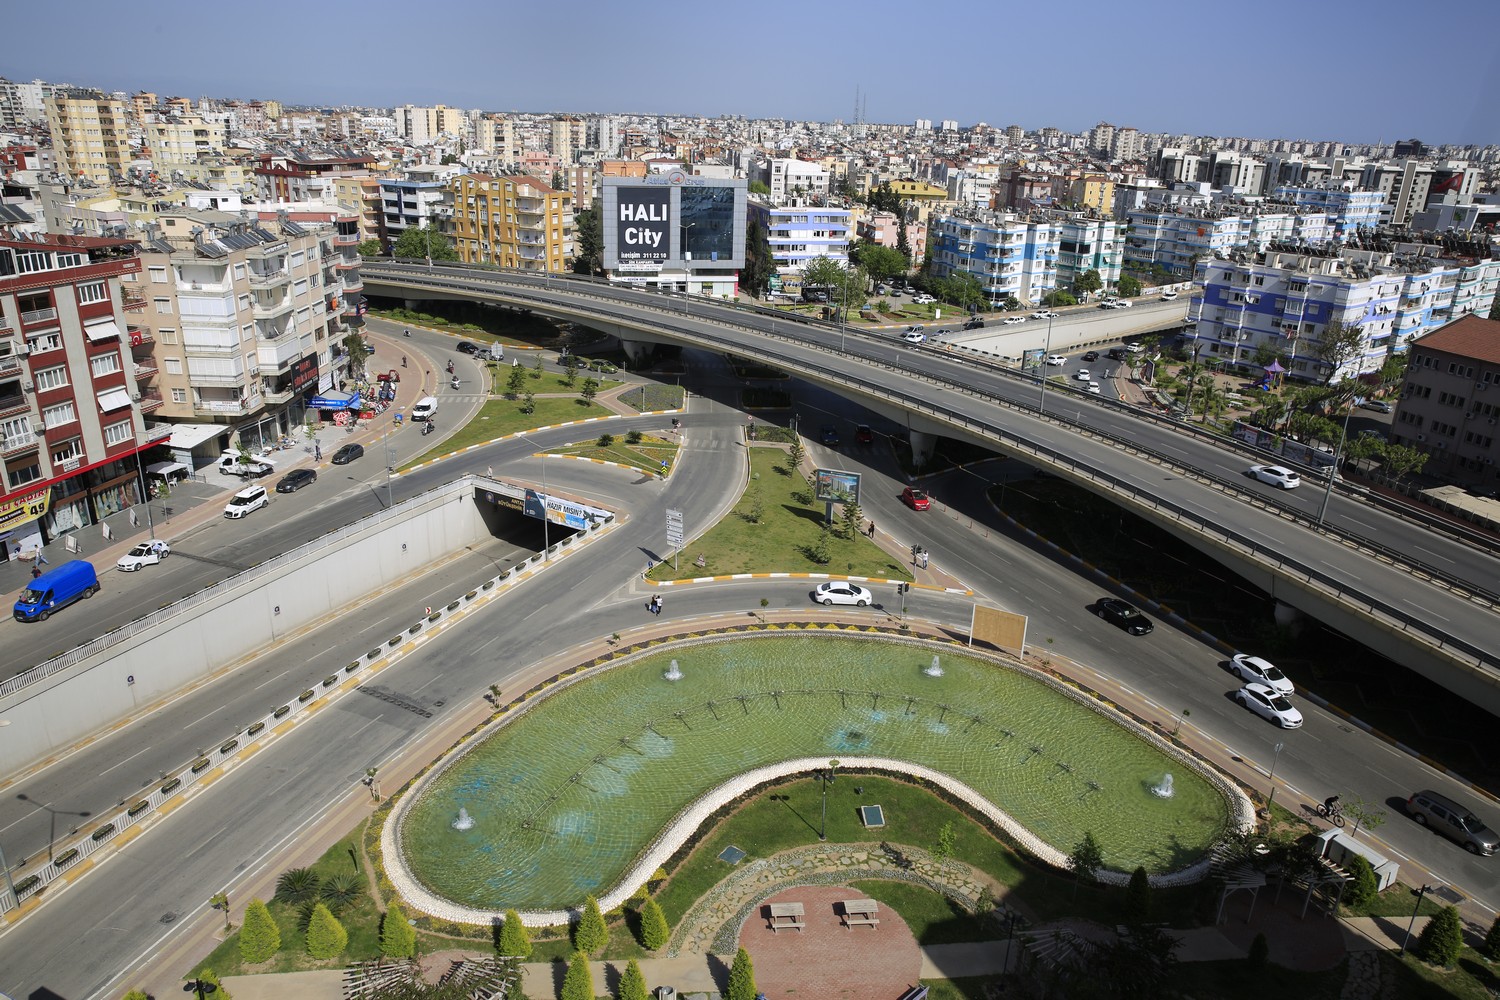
795, 182
1008, 255
797, 235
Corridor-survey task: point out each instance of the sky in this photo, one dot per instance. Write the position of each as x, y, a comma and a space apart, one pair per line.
1358, 71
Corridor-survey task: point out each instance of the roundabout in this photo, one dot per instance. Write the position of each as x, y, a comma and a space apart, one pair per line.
590, 786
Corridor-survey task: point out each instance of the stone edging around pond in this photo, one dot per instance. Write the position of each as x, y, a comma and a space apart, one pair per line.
680, 830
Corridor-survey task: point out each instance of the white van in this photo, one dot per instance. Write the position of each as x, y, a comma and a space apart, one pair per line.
425, 408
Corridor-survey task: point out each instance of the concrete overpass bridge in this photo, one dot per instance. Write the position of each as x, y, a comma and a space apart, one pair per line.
1374, 572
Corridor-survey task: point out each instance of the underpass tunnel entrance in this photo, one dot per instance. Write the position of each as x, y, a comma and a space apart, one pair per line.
515, 514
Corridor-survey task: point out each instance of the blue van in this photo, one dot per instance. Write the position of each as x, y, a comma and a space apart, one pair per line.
56, 589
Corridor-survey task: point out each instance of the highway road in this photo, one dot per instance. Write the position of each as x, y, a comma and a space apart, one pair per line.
157, 887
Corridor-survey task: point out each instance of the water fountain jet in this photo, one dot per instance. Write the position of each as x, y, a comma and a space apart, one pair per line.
673, 673
935, 669
464, 821
1163, 788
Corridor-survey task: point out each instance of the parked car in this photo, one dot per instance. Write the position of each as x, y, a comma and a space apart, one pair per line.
923, 299
1123, 303
1453, 820
1123, 615
1275, 475
55, 589
1091, 356
1109, 304
296, 479
247, 500
864, 435
1259, 671
838, 592
348, 453
1056, 359
1378, 405
1267, 704
255, 465
915, 499
829, 435
145, 554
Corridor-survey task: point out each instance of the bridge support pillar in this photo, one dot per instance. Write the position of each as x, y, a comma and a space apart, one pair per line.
922, 444
636, 350
1288, 617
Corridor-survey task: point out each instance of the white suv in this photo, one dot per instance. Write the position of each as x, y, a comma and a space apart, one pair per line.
246, 500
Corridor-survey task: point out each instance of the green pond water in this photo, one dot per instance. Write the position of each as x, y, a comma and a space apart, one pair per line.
563, 799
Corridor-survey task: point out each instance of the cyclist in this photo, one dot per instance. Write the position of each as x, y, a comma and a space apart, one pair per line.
1331, 805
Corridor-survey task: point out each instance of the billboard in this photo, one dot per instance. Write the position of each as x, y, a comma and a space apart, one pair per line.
835, 486
641, 231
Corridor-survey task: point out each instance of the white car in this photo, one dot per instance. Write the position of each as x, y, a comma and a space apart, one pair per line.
1094, 388
1013, 320
1168, 296
1136, 348
923, 300
1275, 475
251, 498
837, 592
1083, 375
1044, 314
1056, 359
144, 554
1265, 702
1255, 670
914, 336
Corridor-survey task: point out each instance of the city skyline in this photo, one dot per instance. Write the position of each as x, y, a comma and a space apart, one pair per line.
807, 63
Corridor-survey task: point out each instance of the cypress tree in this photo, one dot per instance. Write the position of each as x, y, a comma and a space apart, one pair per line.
741, 977
1138, 897
633, 984
654, 929
326, 937
1491, 946
397, 938
578, 984
260, 938
1442, 939
514, 941
589, 934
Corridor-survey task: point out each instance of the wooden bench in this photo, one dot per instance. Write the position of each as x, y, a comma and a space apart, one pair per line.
786, 915
860, 913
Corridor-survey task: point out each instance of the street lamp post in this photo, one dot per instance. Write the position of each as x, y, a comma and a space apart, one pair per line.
146, 488
1274, 759
9, 884
825, 776
1407, 940
200, 986
546, 514
1333, 470
1041, 403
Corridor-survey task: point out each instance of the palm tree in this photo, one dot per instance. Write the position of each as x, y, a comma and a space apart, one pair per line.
1211, 399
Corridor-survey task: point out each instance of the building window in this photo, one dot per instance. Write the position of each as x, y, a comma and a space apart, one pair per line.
163, 307
158, 275
51, 378
167, 336
94, 291
172, 366
70, 450
15, 432
25, 474
179, 395
57, 416
239, 272
104, 364
118, 433
29, 261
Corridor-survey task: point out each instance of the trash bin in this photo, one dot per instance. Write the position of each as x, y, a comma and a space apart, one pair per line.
664, 992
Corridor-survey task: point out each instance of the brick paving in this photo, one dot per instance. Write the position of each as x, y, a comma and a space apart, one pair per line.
827, 959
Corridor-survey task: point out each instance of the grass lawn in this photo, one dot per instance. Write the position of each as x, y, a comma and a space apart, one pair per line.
790, 525
361, 920
500, 417
966, 988
647, 454
1396, 901
650, 397
932, 917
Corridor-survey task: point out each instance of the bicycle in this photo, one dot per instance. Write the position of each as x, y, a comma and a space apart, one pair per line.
1334, 815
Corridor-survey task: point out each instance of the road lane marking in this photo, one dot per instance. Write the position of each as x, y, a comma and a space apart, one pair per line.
124, 762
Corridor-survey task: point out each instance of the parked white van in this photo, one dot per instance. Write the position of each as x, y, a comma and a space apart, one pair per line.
425, 408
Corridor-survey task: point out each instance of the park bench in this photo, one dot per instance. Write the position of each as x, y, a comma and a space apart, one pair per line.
860, 913
786, 915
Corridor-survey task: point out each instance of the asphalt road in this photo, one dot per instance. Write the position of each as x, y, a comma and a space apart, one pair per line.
122, 912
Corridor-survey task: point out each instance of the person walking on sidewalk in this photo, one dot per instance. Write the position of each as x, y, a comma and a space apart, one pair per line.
41, 558
871, 532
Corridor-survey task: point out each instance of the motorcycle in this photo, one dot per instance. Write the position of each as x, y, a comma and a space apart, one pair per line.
454, 382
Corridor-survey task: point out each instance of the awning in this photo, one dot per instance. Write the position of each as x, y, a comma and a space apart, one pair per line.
167, 470
335, 401
102, 330
114, 399
186, 437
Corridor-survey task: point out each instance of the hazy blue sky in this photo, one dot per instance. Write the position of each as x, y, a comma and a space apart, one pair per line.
1351, 70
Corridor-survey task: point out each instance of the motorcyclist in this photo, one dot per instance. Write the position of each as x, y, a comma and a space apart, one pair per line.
406, 333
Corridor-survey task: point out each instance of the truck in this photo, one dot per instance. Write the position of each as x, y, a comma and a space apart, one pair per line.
232, 464
72, 581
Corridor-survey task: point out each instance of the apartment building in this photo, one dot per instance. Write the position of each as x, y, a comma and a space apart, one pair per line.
1006, 254
172, 140
797, 235
283, 177
75, 377
1350, 210
243, 318
1280, 304
90, 134
885, 229
1089, 243
795, 182
1447, 409
1175, 240
515, 221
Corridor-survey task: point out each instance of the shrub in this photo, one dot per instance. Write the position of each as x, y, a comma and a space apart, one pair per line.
606, 440
305, 695
1442, 939
102, 832
514, 941
1260, 953
590, 935
171, 786
228, 745
741, 977
326, 937
1491, 947
66, 857
341, 891
200, 764
212, 978
260, 938
578, 984
634, 437
1138, 898
138, 808
281, 711
633, 984
255, 729
1363, 886
137, 995
297, 885
654, 929
397, 938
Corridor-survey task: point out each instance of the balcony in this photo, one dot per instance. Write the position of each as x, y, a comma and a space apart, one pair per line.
345, 239
353, 283
10, 406
139, 337
10, 364
345, 263
271, 310
151, 400
269, 279
133, 301
38, 316
228, 407
19, 444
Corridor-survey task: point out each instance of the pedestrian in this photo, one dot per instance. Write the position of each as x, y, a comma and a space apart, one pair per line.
317, 451
403, 361
656, 604
41, 559
36, 571
872, 529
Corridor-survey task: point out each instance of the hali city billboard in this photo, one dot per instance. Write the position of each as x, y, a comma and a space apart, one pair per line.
641, 232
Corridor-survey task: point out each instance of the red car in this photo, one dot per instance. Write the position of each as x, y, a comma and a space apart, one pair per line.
864, 435
914, 498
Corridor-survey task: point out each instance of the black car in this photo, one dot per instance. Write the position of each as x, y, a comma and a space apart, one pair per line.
974, 324
348, 453
829, 435
465, 347
1091, 356
1123, 615
296, 479
1117, 354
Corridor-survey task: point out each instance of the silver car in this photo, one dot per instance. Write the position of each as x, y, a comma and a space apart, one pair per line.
839, 592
